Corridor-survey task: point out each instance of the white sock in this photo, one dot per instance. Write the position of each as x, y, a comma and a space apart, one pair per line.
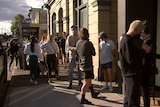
106, 84
110, 84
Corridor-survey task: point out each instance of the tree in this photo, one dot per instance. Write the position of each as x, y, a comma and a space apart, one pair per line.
18, 19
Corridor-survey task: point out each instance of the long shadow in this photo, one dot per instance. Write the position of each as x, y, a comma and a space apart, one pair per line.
20, 94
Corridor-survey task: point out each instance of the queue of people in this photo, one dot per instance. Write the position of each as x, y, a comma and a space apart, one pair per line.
136, 57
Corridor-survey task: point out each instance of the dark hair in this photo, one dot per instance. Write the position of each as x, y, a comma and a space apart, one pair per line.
74, 26
33, 40
146, 28
83, 33
103, 35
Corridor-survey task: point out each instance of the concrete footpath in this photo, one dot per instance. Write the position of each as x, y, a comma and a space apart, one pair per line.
45, 94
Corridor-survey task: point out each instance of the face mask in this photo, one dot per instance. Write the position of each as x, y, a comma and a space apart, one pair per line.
138, 36
141, 38
74, 32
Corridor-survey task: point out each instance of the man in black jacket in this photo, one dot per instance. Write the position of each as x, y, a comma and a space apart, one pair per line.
131, 63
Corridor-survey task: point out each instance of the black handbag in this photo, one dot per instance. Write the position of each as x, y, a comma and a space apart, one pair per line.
155, 70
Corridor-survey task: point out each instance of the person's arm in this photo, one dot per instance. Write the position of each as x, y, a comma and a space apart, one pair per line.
26, 49
113, 48
39, 52
68, 46
92, 49
57, 48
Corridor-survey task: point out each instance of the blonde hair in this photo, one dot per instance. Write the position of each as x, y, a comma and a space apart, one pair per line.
50, 38
136, 24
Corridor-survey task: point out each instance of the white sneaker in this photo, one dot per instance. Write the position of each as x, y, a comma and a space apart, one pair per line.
105, 88
111, 89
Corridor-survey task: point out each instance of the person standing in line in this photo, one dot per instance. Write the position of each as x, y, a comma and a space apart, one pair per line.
148, 64
63, 48
52, 50
42, 63
107, 52
58, 38
70, 48
33, 50
42, 41
131, 64
85, 51
13, 49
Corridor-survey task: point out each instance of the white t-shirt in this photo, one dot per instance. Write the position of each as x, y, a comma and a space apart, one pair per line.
37, 51
106, 48
50, 48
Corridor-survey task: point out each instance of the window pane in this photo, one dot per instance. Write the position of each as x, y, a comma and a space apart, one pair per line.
83, 2
83, 18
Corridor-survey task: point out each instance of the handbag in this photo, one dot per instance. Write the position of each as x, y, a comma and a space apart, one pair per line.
155, 70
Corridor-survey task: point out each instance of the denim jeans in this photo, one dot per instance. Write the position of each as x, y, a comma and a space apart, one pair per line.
72, 64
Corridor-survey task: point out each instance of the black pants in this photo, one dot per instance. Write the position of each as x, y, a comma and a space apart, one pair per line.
33, 65
52, 63
132, 91
12, 59
145, 84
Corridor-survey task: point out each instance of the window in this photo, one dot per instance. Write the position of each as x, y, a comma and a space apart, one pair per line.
83, 17
82, 13
83, 2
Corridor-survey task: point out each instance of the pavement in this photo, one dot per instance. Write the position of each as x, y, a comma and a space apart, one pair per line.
21, 94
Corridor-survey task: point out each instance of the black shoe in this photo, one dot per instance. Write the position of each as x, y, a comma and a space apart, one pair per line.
85, 101
51, 81
69, 87
57, 77
80, 83
95, 95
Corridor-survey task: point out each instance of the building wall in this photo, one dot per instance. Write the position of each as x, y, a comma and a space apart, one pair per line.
38, 18
102, 17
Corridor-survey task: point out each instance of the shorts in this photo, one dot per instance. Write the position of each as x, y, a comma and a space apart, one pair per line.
88, 74
106, 65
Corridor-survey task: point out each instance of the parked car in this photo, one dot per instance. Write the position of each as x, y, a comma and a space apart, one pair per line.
3, 64
3, 73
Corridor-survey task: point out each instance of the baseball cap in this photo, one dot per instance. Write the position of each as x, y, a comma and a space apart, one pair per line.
102, 35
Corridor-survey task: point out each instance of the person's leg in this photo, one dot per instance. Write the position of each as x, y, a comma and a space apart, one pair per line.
49, 65
35, 69
70, 71
79, 76
12, 58
31, 66
104, 70
16, 61
105, 79
132, 94
55, 66
86, 84
65, 62
145, 89
110, 77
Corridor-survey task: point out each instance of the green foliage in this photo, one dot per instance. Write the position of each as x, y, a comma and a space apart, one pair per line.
18, 19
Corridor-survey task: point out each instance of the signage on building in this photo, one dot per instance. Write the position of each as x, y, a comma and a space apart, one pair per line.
26, 24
